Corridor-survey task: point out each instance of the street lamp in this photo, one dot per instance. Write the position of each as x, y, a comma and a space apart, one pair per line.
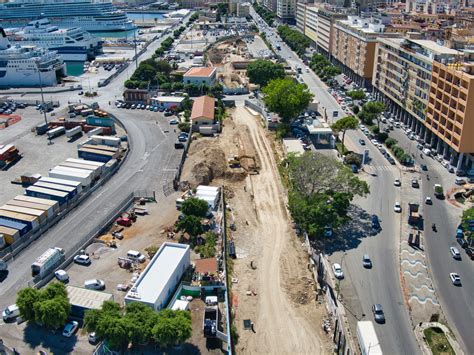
43, 106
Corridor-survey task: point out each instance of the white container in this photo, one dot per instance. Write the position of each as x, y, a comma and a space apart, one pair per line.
74, 131
107, 140
85, 180
97, 164
75, 184
94, 132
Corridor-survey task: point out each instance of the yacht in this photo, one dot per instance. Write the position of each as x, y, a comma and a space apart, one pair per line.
73, 44
27, 66
90, 15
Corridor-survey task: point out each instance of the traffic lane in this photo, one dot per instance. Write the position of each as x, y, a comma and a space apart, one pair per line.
456, 301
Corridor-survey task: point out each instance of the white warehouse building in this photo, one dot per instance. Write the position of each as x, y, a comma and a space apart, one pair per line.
157, 282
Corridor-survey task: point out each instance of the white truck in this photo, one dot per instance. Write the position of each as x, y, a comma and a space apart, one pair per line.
47, 261
368, 341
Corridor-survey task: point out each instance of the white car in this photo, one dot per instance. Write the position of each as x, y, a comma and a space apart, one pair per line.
455, 253
82, 259
459, 181
455, 279
397, 208
61, 275
428, 201
70, 328
336, 268
397, 182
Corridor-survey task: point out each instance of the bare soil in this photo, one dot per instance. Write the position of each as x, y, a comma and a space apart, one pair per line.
274, 288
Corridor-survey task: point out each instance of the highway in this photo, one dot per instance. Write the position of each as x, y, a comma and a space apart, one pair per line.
362, 288
147, 167
456, 302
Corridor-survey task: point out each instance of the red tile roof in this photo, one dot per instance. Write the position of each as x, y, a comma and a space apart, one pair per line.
203, 107
206, 266
200, 71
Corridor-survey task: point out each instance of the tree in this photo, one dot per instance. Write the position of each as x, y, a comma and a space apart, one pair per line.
192, 89
217, 91
26, 300
345, 124
191, 225
467, 216
287, 98
353, 159
261, 71
52, 313
114, 329
131, 84
372, 111
390, 142
295, 39
330, 71
184, 126
172, 327
356, 95
195, 207
355, 109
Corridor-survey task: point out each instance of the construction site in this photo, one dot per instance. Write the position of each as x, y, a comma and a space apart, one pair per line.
272, 288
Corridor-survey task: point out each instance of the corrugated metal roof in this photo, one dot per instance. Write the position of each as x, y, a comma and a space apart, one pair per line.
89, 299
203, 107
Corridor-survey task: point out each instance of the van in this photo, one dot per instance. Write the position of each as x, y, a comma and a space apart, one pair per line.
136, 256
10, 312
94, 284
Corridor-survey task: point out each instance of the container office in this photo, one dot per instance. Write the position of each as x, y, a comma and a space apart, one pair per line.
22, 228
31, 221
76, 184
40, 201
41, 215
41, 192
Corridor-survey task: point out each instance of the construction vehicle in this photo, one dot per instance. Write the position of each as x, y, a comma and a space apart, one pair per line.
236, 161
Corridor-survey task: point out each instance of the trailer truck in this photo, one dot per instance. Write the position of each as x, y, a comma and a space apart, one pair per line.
47, 261
368, 341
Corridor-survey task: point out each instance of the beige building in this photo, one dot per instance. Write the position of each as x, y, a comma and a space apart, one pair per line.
286, 10
203, 116
300, 16
311, 26
426, 86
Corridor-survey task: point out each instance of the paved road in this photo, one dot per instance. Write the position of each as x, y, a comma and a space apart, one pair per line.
362, 288
456, 302
150, 163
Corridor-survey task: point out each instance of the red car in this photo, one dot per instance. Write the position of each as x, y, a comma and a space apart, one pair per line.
124, 221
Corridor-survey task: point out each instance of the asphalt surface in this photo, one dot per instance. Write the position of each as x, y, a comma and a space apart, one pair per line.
361, 288
150, 164
456, 302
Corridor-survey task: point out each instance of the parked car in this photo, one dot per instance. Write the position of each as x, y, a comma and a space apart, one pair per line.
11, 312
375, 222
455, 253
136, 256
462, 242
378, 313
94, 284
82, 259
415, 183
470, 253
92, 338
361, 141
455, 279
336, 268
173, 122
366, 262
168, 113
459, 181
61, 275
70, 329
424, 167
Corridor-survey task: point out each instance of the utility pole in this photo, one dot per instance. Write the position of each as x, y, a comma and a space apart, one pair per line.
42, 99
135, 45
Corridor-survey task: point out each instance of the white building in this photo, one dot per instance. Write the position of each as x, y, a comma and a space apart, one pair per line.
200, 76
158, 281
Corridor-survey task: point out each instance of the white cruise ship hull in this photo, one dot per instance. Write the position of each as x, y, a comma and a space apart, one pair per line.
87, 25
26, 78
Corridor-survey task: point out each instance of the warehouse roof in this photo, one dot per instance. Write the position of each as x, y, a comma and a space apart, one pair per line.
203, 107
154, 278
175, 99
89, 299
200, 71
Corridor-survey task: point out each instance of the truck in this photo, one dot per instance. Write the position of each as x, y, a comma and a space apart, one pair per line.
438, 191
47, 261
56, 132
74, 132
211, 318
413, 213
368, 341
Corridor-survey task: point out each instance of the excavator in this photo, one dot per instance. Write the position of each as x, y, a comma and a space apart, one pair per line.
236, 161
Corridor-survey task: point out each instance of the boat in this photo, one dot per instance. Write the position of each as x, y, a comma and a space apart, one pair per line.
28, 66
73, 44
90, 15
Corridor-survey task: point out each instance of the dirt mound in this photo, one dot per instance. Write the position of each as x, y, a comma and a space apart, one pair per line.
211, 164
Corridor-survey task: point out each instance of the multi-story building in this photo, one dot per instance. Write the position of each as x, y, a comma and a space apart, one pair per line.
326, 20
424, 84
286, 10
311, 23
353, 47
300, 16
270, 4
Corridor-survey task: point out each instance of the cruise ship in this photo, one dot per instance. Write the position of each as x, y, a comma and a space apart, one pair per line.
73, 44
90, 15
28, 66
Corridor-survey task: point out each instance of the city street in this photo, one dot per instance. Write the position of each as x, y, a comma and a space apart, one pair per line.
456, 302
362, 288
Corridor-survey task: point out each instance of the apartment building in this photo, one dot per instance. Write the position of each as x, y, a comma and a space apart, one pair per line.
311, 27
325, 27
424, 85
270, 4
300, 16
353, 47
286, 11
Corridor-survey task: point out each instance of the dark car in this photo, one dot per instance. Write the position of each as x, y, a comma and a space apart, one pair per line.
366, 262
378, 313
375, 222
424, 167
361, 141
168, 114
391, 160
462, 242
470, 253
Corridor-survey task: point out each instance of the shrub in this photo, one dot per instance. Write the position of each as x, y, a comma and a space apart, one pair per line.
390, 142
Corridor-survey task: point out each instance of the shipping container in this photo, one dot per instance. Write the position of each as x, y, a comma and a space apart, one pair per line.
82, 172
95, 155
105, 148
56, 132
85, 180
86, 112
41, 129
107, 140
71, 190
93, 169
19, 226
11, 235
29, 179
100, 165
94, 131
41, 215
31, 221
111, 163
74, 132
76, 184
100, 121
40, 201
36, 206
41, 192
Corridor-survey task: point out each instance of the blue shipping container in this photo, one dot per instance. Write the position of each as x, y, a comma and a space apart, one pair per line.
93, 157
28, 225
21, 227
100, 121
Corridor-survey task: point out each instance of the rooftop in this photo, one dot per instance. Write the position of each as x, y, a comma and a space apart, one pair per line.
203, 107
154, 278
200, 71
85, 298
177, 99
206, 266
435, 47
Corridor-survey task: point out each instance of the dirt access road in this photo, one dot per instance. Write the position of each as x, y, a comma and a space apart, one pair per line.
282, 307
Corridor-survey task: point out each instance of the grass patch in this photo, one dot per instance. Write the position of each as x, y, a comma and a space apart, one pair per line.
341, 149
438, 342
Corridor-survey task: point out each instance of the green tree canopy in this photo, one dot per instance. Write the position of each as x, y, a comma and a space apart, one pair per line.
296, 40
356, 95
195, 207
371, 111
26, 300
191, 225
345, 124
261, 71
172, 327
287, 98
